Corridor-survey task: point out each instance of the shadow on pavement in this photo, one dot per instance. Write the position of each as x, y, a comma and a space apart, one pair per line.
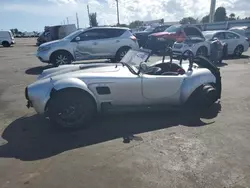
222, 64
33, 138
37, 70
231, 57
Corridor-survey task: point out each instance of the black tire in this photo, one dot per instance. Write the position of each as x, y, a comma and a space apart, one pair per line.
61, 58
238, 51
202, 51
203, 97
6, 44
71, 109
121, 53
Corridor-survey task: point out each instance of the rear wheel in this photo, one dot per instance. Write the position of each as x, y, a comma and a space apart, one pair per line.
121, 53
71, 108
6, 44
203, 97
238, 51
61, 58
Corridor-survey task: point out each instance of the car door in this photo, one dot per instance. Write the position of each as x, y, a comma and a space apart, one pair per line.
87, 47
162, 88
232, 40
111, 42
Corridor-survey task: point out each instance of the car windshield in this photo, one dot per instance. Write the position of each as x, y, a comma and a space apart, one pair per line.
150, 29
72, 35
134, 58
208, 35
173, 29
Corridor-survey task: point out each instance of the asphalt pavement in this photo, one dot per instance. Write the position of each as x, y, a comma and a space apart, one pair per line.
162, 150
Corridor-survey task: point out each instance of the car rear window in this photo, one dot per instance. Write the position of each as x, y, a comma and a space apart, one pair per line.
112, 33
173, 29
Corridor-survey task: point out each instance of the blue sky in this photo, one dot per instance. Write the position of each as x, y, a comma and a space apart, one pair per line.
33, 15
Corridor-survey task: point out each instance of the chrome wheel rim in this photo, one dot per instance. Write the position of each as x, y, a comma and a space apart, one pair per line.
70, 114
238, 51
200, 53
61, 60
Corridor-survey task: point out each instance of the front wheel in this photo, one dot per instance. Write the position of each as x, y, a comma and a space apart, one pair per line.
71, 108
202, 51
238, 51
6, 44
61, 58
121, 53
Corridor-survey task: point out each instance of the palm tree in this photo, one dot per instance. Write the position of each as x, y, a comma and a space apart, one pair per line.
232, 16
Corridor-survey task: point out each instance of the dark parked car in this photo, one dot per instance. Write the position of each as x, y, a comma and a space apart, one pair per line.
159, 41
142, 36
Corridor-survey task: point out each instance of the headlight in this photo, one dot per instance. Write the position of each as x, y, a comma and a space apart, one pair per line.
43, 48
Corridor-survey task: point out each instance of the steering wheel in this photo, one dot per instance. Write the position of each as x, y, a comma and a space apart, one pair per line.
150, 70
156, 70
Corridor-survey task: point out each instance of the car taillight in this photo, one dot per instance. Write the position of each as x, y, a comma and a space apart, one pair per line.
133, 38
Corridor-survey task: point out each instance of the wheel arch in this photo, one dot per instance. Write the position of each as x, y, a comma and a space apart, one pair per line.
240, 45
5, 42
61, 50
126, 46
197, 89
71, 84
191, 85
203, 46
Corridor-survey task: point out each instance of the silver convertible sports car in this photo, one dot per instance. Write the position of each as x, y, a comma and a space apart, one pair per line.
70, 95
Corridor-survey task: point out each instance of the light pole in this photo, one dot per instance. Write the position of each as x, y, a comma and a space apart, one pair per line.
117, 9
212, 11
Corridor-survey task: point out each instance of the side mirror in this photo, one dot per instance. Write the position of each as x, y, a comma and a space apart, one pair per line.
77, 39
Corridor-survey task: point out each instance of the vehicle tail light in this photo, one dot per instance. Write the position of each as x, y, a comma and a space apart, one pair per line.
133, 38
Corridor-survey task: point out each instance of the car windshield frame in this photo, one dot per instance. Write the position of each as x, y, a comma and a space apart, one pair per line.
133, 59
175, 28
74, 34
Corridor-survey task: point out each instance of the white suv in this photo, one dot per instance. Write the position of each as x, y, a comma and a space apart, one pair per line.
91, 43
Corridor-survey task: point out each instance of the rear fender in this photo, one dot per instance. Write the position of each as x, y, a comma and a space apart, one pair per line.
191, 84
73, 83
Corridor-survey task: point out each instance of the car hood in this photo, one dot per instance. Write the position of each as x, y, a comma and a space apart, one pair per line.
88, 70
51, 42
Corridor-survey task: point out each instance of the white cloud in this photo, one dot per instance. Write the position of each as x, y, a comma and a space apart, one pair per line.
170, 10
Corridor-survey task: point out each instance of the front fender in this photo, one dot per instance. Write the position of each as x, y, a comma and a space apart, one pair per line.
73, 83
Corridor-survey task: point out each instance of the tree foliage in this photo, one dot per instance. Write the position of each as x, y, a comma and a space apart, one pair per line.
135, 24
220, 14
205, 19
188, 20
232, 16
93, 20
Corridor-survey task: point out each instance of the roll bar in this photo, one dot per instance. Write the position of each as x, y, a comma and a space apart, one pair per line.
188, 54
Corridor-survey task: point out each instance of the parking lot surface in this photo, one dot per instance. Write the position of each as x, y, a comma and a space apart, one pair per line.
162, 150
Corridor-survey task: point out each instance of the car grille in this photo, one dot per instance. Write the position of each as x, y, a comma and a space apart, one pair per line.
178, 46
